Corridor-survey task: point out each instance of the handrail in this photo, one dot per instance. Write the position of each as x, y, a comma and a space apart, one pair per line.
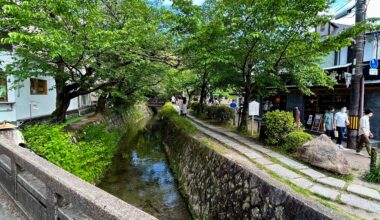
63, 190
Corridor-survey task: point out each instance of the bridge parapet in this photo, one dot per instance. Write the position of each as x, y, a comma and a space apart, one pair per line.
44, 191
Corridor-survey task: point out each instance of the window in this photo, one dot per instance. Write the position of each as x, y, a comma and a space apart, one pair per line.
3, 89
85, 100
38, 87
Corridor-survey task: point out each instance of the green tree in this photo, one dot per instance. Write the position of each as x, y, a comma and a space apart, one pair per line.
85, 45
271, 43
200, 45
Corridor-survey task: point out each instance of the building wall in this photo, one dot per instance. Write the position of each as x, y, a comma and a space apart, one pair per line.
7, 111
42, 105
295, 100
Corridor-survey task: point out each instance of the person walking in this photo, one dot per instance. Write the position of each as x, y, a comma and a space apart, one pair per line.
365, 133
173, 100
183, 107
340, 123
328, 122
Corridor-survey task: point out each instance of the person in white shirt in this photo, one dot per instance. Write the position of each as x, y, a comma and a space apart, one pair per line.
365, 133
340, 123
183, 107
173, 100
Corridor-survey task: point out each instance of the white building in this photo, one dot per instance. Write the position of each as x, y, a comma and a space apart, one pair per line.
33, 98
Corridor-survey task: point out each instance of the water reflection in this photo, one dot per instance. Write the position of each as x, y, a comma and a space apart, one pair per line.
140, 175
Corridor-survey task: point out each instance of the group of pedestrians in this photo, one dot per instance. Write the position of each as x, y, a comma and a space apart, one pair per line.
338, 122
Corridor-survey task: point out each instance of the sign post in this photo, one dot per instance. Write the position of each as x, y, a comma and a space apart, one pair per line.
373, 64
253, 109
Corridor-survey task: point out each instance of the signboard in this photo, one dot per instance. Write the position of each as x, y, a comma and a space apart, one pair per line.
34, 105
254, 108
317, 122
373, 72
310, 120
373, 64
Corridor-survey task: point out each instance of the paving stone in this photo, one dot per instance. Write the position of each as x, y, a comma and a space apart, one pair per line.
325, 192
275, 155
364, 191
361, 203
331, 181
291, 163
312, 174
260, 148
303, 183
252, 154
263, 161
282, 171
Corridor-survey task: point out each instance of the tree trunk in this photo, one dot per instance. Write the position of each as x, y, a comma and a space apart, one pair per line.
101, 105
62, 101
62, 97
357, 87
243, 119
243, 123
202, 99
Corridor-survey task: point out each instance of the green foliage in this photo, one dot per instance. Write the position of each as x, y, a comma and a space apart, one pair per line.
219, 113
374, 172
88, 157
295, 140
168, 112
373, 175
194, 106
278, 124
118, 47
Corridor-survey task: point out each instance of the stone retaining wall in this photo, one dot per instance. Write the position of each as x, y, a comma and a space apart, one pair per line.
221, 187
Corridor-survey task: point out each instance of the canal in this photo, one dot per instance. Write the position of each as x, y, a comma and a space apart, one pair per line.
140, 174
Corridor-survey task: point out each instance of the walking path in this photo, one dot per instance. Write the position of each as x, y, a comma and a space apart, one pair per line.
333, 189
7, 209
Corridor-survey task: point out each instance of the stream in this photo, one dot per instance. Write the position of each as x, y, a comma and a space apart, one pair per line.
140, 174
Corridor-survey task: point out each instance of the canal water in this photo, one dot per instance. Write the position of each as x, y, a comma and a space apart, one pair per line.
141, 176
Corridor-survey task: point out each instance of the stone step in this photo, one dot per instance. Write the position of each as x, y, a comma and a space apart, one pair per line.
361, 203
364, 191
326, 192
331, 181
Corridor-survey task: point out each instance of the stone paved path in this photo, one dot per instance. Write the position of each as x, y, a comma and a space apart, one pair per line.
7, 210
331, 188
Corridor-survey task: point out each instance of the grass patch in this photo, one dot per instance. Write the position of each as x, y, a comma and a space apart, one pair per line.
214, 146
169, 113
86, 153
74, 119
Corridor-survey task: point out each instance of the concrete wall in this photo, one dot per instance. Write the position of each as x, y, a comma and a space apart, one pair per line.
44, 191
221, 187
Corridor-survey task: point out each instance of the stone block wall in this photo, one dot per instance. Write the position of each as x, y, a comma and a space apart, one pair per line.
217, 187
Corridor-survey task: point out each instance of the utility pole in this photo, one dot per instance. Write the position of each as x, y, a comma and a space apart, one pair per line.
357, 82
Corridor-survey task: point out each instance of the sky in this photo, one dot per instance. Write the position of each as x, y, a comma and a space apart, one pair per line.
373, 10
195, 2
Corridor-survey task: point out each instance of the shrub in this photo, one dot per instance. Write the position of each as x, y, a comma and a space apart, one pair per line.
295, 140
194, 106
169, 113
224, 113
219, 113
86, 154
373, 175
278, 124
